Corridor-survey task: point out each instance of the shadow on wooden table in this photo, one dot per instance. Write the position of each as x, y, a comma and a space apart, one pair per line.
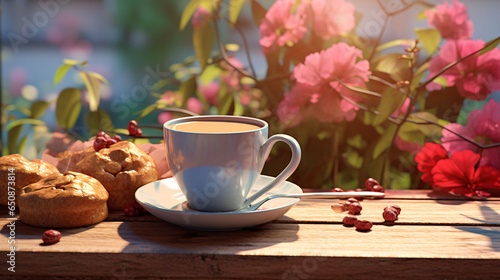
490, 216
163, 237
25, 231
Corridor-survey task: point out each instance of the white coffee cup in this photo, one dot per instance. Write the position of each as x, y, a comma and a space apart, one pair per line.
216, 161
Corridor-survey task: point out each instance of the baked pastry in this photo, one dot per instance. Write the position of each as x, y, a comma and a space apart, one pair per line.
122, 169
25, 172
63, 201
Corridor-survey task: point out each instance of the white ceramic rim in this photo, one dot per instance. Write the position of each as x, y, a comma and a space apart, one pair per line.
223, 118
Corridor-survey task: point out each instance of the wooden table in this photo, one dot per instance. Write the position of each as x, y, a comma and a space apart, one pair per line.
437, 236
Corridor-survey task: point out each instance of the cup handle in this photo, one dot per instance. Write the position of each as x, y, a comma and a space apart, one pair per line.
289, 169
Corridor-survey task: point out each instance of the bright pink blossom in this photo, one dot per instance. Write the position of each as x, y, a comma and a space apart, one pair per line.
332, 17
200, 17
476, 77
483, 126
164, 117
459, 175
210, 92
172, 98
451, 21
319, 89
280, 27
194, 105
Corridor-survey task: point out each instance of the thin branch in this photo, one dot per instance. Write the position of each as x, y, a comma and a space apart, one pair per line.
358, 90
246, 47
179, 110
224, 54
455, 63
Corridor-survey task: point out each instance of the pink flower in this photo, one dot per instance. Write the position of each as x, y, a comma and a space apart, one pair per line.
232, 77
172, 98
483, 126
332, 17
280, 27
164, 117
318, 89
210, 92
200, 17
427, 158
476, 77
451, 21
194, 105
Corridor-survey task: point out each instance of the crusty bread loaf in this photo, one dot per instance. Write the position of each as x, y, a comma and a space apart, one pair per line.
25, 172
122, 169
63, 201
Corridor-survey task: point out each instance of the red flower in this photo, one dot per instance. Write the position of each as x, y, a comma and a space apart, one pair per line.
458, 175
427, 159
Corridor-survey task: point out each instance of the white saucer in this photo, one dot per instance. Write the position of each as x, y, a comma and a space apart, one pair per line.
165, 200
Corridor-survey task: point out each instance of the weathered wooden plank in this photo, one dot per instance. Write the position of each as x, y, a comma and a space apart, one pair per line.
272, 239
273, 250
446, 212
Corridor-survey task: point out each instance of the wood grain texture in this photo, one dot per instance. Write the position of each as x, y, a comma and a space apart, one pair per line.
153, 249
434, 238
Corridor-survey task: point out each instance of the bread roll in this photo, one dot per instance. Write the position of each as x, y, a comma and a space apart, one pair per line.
122, 169
25, 172
63, 201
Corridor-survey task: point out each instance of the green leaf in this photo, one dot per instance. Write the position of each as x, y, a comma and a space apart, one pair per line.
431, 131
72, 62
146, 111
238, 108
22, 122
258, 12
232, 47
12, 137
38, 109
419, 75
22, 145
392, 65
356, 141
68, 107
99, 120
353, 158
93, 90
121, 131
99, 77
429, 37
188, 12
225, 100
422, 15
390, 101
203, 40
385, 141
494, 43
441, 81
61, 72
234, 9
401, 42
161, 84
187, 89
209, 74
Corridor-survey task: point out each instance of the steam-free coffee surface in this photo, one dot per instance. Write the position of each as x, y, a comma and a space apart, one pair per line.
213, 127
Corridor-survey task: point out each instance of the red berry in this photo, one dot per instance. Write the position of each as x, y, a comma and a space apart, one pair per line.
337, 190
370, 182
110, 142
355, 208
378, 188
139, 133
390, 216
118, 138
51, 236
398, 209
352, 199
132, 127
99, 144
132, 209
349, 220
363, 225
107, 137
345, 206
358, 190
102, 133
